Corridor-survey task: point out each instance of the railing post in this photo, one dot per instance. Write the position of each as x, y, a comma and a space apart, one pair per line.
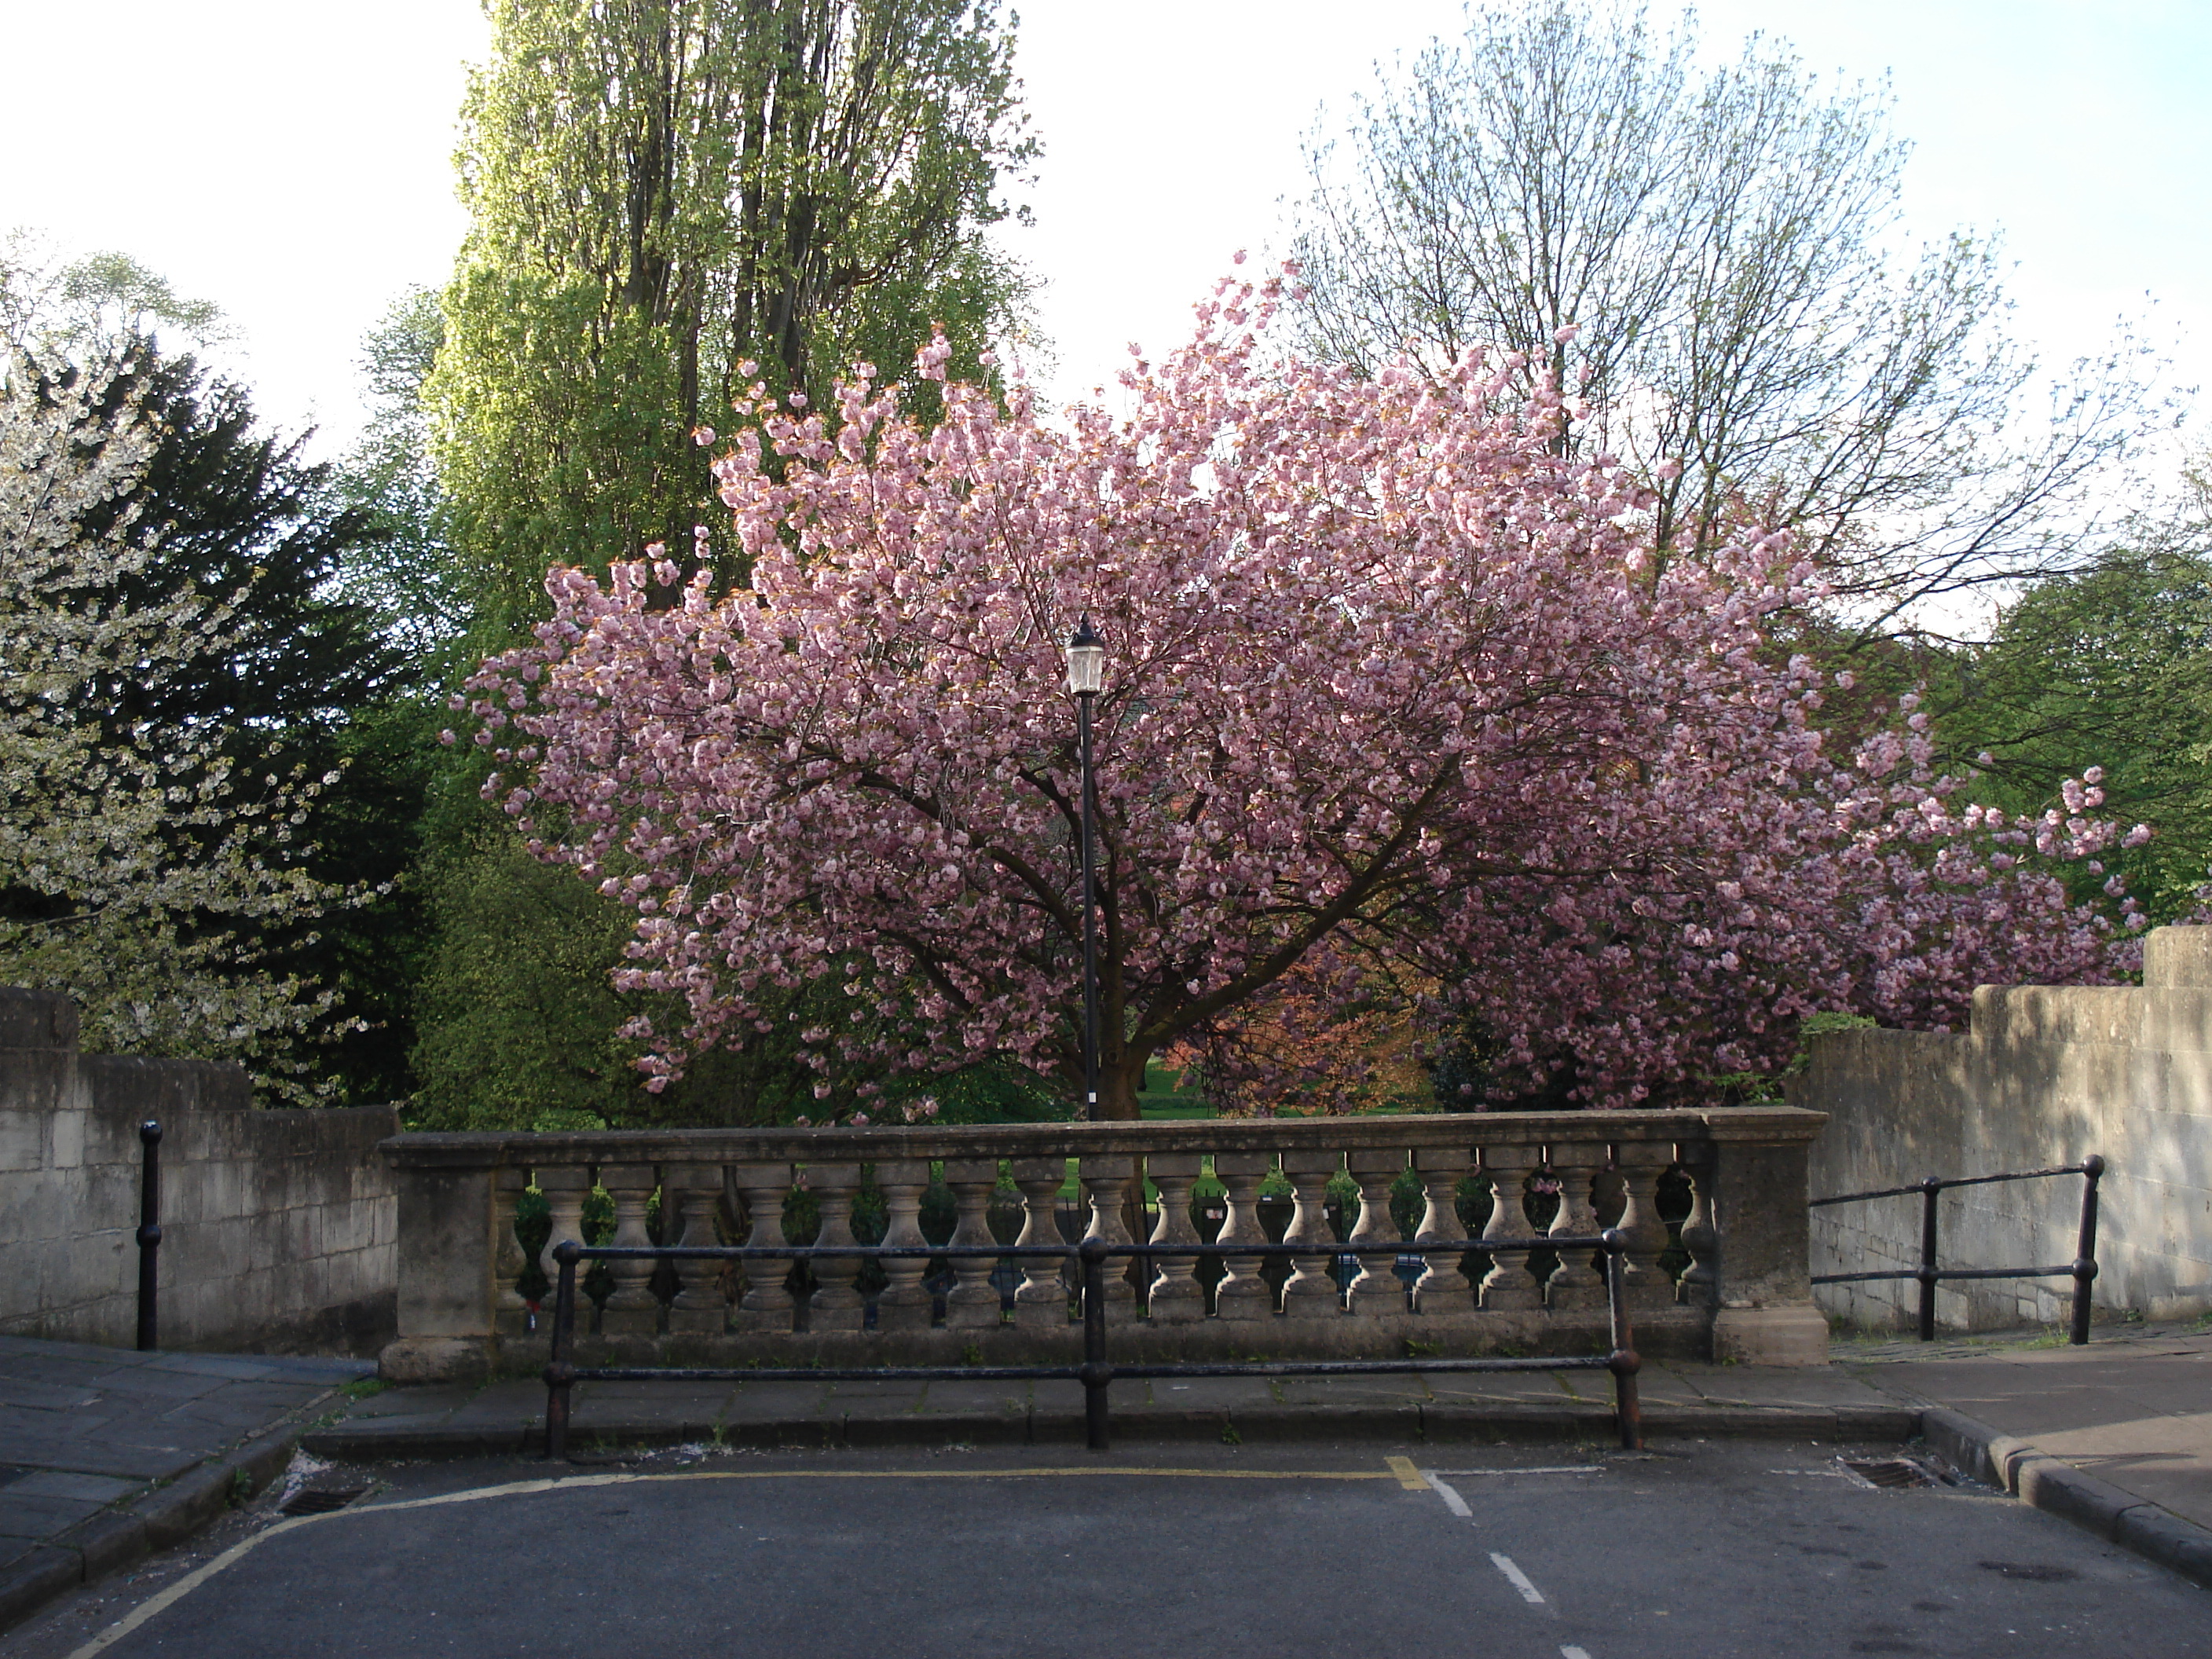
1443, 1287
837, 1304
1508, 1285
1574, 1283
560, 1370
1378, 1290
1108, 1179
1623, 1362
973, 1303
1930, 1190
1310, 1293
700, 1310
1096, 1374
2085, 1248
1243, 1293
766, 1306
1173, 1295
150, 1236
903, 1303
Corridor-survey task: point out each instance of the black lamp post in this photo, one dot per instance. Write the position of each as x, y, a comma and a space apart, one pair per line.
1087, 667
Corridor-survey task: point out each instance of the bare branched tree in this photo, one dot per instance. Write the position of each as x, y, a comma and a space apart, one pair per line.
1710, 257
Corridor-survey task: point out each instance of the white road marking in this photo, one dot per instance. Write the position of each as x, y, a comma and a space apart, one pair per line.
1517, 1579
1574, 1653
191, 1581
1548, 1468
1453, 1501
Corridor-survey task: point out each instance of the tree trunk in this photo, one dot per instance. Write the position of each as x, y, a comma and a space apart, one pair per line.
1117, 1093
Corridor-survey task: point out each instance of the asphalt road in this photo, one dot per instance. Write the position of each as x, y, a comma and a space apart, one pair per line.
1701, 1551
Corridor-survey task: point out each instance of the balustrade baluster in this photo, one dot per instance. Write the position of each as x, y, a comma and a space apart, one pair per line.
566, 1186
903, 1304
1699, 1285
837, 1303
1443, 1286
1310, 1293
972, 1304
1106, 1179
691, 1194
766, 1306
1575, 1283
1640, 1165
510, 1312
1242, 1293
631, 1309
1509, 1285
1377, 1291
1176, 1298
1041, 1299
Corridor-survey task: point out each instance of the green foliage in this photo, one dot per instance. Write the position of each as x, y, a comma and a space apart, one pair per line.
519, 1022
1169, 1093
94, 306
669, 196
403, 575
663, 193
2109, 667
519, 1018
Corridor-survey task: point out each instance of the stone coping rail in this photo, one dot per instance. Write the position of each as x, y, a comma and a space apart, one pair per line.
1743, 1294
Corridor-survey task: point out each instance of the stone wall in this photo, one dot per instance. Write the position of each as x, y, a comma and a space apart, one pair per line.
1740, 1294
278, 1226
2044, 1076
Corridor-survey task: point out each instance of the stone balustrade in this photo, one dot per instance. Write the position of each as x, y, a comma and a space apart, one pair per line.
1727, 1280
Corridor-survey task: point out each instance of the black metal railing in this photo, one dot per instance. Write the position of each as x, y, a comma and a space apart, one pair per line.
149, 1234
2082, 1269
1096, 1371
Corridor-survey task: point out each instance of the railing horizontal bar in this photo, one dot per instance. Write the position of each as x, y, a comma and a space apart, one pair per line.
1070, 1373
2024, 1174
920, 1251
2066, 1272
1944, 1184
1855, 1198
1353, 1367
822, 1374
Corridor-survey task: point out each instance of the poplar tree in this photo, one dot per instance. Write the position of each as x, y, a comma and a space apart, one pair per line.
672, 198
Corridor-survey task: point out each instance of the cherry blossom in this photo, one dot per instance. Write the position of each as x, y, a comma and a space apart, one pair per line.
1396, 706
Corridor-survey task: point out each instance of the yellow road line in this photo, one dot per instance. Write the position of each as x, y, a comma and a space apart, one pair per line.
1408, 1477
1400, 1470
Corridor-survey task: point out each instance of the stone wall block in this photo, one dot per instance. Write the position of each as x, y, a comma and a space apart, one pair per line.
2045, 1075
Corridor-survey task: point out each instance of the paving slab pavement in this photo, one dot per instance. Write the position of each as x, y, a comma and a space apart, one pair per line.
2132, 1408
107, 1453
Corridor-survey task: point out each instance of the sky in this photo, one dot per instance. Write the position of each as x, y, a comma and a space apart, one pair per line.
293, 163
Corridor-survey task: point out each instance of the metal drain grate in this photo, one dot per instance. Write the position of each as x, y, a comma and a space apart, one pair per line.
1891, 1471
319, 1503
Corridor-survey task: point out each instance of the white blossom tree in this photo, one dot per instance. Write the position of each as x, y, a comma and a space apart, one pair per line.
135, 874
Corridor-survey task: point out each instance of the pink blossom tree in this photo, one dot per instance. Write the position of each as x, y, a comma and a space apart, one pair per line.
1396, 697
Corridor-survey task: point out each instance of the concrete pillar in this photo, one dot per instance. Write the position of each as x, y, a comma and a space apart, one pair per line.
1766, 1316
447, 1330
